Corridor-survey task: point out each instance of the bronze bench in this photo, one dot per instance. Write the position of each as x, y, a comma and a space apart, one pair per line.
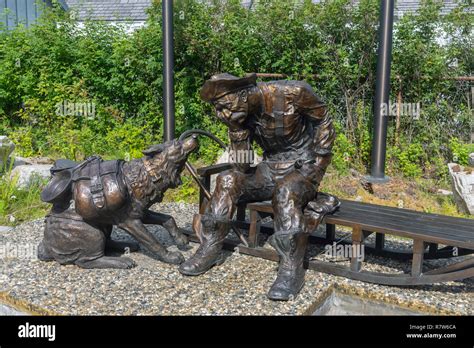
426, 230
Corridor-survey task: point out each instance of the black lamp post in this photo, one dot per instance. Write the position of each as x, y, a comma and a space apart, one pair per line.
168, 67
382, 92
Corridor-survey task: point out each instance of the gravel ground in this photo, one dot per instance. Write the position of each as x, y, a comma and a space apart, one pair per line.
237, 287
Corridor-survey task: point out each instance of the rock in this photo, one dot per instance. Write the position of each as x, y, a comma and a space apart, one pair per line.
6, 149
444, 192
349, 190
382, 194
7, 310
454, 167
28, 173
5, 228
471, 159
19, 161
32, 160
366, 185
358, 199
354, 173
463, 188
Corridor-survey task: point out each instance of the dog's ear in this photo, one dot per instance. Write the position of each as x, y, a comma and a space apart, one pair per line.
153, 150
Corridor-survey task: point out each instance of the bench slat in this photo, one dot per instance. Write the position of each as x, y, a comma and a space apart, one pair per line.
418, 223
398, 230
407, 212
214, 169
429, 227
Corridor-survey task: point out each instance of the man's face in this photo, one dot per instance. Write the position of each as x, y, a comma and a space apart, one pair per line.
232, 108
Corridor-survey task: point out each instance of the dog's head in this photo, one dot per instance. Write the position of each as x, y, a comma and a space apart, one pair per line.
171, 156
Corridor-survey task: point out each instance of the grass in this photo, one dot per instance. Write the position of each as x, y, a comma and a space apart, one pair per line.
18, 205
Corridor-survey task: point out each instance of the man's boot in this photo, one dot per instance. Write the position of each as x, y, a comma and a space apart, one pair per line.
209, 252
290, 278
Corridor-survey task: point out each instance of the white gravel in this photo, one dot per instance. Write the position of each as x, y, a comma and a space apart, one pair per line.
237, 287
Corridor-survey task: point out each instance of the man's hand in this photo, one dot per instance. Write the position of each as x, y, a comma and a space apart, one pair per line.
241, 147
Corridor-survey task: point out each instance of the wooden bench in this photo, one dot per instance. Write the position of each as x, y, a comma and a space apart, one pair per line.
426, 230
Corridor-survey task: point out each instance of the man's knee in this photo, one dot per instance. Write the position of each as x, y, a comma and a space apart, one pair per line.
226, 194
290, 196
282, 195
293, 190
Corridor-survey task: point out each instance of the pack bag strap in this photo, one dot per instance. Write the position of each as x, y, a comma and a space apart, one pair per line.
279, 113
96, 188
76, 171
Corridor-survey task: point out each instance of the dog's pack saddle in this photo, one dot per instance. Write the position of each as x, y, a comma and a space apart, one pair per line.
65, 172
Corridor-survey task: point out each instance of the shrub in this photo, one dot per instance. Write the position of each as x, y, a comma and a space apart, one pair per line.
330, 44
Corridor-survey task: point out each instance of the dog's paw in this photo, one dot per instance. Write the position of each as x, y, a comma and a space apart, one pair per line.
173, 257
127, 262
184, 247
182, 243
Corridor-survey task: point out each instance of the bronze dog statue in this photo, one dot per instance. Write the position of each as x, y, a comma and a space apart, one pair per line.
108, 193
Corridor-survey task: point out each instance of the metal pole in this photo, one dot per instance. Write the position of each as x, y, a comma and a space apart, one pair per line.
382, 92
168, 67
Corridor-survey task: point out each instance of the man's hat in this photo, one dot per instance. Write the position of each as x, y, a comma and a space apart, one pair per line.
219, 85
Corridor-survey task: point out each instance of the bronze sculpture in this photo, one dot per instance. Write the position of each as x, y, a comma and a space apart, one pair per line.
108, 193
293, 127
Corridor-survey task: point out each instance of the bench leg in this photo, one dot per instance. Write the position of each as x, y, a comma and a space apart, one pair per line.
241, 212
254, 228
379, 241
418, 253
365, 234
357, 239
432, 249
330, 233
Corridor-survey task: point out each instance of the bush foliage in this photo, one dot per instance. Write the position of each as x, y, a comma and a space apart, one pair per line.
332, 45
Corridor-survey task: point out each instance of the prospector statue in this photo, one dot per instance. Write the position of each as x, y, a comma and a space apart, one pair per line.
293, 127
